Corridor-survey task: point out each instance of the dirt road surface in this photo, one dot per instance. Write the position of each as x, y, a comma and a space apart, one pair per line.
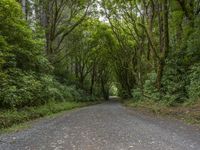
108, 126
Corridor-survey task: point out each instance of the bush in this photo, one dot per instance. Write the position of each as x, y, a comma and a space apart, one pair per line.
71, 93
31, 89
174, 83
137, 94
20, 89
194, 86
52, 90
149, 86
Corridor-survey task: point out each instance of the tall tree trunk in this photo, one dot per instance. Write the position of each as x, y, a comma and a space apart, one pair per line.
150, 23
104, 90
92, 79
165, 50
45, 15
24, 8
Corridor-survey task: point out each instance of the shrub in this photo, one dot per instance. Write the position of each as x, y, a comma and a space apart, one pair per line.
137, 94
70, 93
194, 86
174, 83
20, 89
149, 86
52, 90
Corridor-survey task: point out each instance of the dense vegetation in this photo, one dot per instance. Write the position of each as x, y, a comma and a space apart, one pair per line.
28, 77
158, 49
66, 50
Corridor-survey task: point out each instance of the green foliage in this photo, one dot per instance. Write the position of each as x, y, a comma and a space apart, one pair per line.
194, 85
26, 74
22, 50
181, 79
20, 89
150, 86
83, 58
193, 46
174, 81
10, 118
30, 89
146, 63
137, 94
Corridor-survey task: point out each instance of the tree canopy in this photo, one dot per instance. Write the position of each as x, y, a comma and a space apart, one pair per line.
58, 50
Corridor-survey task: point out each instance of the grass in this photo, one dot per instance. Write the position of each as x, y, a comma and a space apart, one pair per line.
12, 120
189, 113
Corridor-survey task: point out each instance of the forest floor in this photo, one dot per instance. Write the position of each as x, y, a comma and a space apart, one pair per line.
107, 126
188, 113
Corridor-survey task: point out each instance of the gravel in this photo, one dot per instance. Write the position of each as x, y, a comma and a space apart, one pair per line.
108, 126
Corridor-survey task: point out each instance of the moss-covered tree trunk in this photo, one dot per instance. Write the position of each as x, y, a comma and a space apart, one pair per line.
165, 49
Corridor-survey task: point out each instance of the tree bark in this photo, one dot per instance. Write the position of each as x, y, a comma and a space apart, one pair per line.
24, 7
165, 50
92, 79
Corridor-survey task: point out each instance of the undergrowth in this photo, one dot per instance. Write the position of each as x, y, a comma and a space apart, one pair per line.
10, 118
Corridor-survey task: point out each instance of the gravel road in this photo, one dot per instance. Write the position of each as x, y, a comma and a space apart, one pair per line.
108, 126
